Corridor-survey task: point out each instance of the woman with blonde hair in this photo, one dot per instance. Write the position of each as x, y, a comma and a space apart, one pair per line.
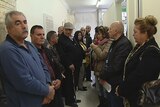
143, 62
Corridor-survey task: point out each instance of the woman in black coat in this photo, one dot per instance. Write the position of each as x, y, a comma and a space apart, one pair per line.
143, 62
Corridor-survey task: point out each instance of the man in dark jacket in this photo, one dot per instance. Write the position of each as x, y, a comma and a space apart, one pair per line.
69, 55
116, 57
88, 41
38, 38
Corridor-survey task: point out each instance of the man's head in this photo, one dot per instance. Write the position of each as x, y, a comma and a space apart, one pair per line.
60, 30
116, 30
16, 25
88, 29
37, 35
52, 37
68, 29
83, 30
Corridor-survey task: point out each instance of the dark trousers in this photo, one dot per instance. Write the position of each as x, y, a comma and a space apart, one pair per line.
114, 100
88, 72
68, 87
133, 101
57, 102
76, 76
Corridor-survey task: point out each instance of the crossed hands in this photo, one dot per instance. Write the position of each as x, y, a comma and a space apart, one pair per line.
50, 95
56, 83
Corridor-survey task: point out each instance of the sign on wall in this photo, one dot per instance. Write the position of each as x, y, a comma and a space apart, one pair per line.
48, 23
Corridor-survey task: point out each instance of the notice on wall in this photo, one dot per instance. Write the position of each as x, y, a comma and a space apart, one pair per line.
48, 23
5, 6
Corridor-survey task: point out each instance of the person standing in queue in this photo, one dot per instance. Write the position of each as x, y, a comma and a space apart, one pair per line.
26, 78
38, 38
69, 54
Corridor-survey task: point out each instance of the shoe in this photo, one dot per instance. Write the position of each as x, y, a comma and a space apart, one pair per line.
82, 89
85, 87
89, 80
78, 101
72, 105
94, 85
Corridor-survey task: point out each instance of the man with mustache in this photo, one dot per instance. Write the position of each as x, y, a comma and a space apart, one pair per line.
26, 77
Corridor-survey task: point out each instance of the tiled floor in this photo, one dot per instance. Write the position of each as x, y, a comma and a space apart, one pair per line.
88, 98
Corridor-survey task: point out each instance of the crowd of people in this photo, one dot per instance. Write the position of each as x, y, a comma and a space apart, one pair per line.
48, 74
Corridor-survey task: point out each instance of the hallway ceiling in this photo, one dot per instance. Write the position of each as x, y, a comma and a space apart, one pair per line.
88, 5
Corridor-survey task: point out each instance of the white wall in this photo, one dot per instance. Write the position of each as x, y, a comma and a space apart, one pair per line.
113, 13
132, 14
34, 10
86, 18
110, 16
150, 7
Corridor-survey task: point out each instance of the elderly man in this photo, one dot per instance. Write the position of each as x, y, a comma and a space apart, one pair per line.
83, 30
26, 78
116, 57
69, 55
60, 30
88, 41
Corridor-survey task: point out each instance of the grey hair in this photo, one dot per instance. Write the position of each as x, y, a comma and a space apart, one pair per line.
8, 16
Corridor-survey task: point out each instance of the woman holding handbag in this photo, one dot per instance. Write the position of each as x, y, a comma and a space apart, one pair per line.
143, 62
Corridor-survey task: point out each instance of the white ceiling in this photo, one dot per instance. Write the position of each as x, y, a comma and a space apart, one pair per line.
88, 5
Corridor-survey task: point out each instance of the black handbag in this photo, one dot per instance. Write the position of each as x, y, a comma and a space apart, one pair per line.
150, 94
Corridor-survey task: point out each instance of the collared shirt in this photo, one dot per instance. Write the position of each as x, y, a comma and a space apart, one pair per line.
46, 60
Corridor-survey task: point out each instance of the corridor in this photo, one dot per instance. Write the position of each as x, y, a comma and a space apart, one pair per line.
88, 98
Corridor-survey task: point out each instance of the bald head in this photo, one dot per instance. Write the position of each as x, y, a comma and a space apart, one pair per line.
118, 25
88, 28
116, 29
83, 30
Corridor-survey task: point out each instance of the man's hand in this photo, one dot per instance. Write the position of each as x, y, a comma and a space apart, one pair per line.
56, 83
92, 45
72, 67
51, 92
102, 81
46, 100
117, 90
50, 95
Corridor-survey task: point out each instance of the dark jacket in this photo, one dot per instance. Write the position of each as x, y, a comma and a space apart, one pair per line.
88, 40
68, 51
116, 57
56, 58
80, 51
53, 62
140, 69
